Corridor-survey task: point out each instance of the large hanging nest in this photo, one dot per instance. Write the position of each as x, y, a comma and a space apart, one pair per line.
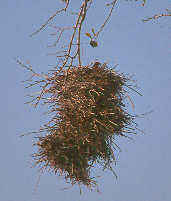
87, 103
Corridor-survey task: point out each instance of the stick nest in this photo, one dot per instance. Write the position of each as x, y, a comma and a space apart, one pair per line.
88, 112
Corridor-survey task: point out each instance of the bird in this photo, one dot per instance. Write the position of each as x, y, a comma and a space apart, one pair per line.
96, 64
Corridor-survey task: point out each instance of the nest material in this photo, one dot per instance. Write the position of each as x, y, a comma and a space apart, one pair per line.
89, 112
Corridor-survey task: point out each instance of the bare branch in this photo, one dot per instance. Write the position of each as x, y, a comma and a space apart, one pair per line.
158, 16
72, 51
108, 17
51, 18
61, 31
84, 5
77, 27
72, 38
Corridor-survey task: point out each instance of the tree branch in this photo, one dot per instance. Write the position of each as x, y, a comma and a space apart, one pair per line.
158, 16
51, 18
107, 19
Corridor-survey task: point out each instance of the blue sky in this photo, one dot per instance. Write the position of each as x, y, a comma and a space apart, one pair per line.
142, 49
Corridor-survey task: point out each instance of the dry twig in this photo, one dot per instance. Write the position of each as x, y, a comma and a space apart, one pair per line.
155, 17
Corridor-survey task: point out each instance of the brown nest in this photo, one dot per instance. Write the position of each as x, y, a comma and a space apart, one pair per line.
88, 108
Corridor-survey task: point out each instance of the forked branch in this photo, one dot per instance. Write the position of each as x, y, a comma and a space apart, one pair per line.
72, 51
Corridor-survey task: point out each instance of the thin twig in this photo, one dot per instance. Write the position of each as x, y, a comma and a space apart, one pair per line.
107, 19
158, 16
51, 18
